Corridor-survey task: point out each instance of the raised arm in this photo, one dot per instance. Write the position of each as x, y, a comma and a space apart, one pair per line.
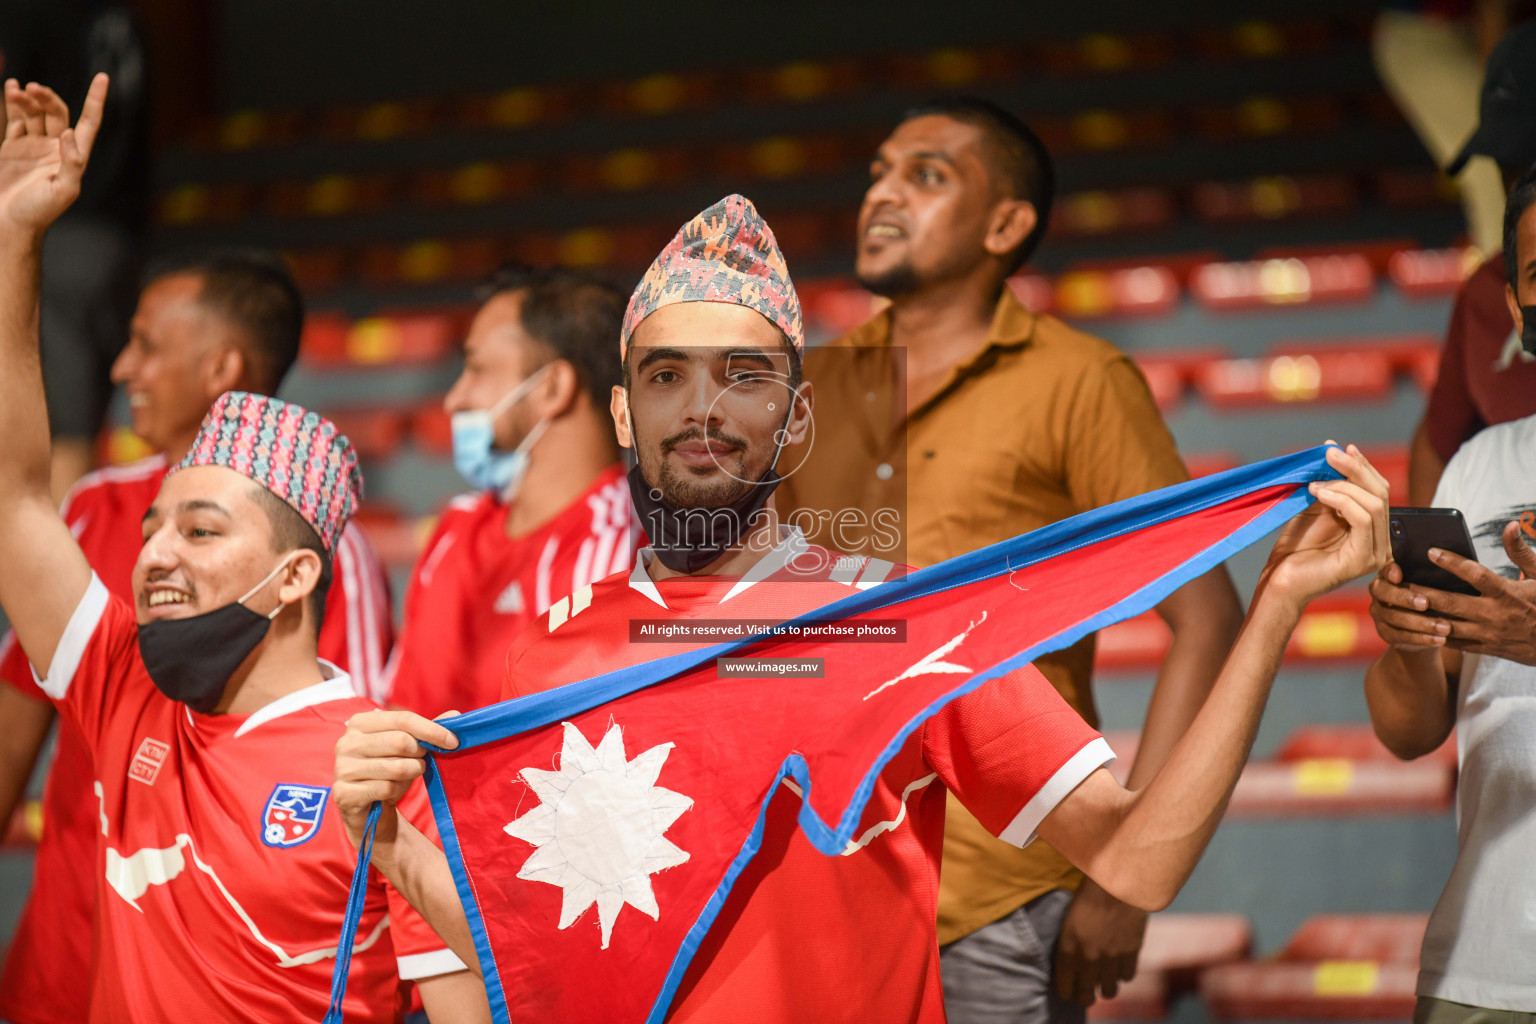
41, 161
1141, 846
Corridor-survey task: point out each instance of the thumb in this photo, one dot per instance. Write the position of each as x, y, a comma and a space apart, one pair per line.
1519, 551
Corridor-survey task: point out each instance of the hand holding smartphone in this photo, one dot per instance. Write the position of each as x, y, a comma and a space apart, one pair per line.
1415, 530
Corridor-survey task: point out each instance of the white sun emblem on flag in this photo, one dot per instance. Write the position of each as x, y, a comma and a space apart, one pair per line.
599, 827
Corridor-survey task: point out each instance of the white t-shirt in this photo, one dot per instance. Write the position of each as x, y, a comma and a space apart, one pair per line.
1481, 945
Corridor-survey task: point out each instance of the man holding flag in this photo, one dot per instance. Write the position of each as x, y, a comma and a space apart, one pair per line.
769, 850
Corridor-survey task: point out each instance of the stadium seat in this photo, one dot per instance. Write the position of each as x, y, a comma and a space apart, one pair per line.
1170, 372
1274, 197
1283, 282
1416, 356
1129, 291
1352, 742
1429, 273
1339, 786
1336, 967
375, 432
1334, 628
1311, 776
1176, 949
1320, 376
432, 429
402, 338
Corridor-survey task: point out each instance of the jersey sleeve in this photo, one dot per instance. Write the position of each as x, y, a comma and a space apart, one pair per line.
420, 952
1011, 751
358, 632
96, 668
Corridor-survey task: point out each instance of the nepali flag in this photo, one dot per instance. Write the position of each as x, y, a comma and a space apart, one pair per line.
676, 818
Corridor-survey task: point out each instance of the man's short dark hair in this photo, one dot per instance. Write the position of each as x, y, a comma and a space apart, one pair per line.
575, 314
253, 290
1520, 199
291, 533
1019, 160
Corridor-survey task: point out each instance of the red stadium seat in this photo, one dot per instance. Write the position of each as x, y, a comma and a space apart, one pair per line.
403, 338
432, 429
1338, 786
1353, 742
1130, 291
1334, 628
1283, 282
1430, 273
1416, 356
1274, 197
376, 433
1336, 967
1170, 372
1322, 375
1176, 949
836, 306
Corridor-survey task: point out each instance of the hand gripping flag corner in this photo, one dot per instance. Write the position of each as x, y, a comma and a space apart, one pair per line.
643, 792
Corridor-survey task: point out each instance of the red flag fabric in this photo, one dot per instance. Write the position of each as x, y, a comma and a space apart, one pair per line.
596, 830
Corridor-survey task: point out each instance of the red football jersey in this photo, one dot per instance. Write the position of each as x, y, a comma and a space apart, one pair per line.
804, 936
104, 512
221, 873
474, 590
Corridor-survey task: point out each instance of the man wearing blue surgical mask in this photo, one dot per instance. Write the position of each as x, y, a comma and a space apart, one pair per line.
549, 508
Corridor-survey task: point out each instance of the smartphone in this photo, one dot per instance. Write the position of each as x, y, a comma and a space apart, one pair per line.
1415, 530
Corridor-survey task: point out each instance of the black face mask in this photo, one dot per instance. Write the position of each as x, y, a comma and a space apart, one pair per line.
1528, 329
190, 660
689, 539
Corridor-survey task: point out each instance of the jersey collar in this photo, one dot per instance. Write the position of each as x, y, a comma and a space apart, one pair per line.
337, 685
792, 544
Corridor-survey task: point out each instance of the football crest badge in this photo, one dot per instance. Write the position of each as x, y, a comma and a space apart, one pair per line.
292, 815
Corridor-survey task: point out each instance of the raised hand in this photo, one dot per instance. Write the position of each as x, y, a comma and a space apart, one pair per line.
1342, 536
42, 158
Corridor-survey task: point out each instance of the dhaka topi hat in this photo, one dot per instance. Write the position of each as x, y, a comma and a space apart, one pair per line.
296, 454
725, 254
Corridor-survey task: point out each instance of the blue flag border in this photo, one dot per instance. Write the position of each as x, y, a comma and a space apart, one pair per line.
508, 718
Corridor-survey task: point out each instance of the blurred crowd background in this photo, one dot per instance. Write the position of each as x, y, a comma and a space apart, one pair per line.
1250, 202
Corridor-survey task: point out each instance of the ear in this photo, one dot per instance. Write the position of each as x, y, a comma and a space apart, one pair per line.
618, 407
557, 393
299, 578
1012, 221
799, 426
226, 371
1513, 302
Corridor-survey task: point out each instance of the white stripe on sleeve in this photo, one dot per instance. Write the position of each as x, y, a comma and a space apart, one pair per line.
1021, 831
66, 656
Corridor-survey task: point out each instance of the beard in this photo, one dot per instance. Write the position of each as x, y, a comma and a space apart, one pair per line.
685, 491
892, 282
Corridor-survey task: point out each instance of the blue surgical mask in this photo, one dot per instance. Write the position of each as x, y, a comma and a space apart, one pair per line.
474, 434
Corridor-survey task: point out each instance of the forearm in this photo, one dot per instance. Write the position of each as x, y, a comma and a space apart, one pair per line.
1205, 618
1409, 695
24, 725
1155, 836
419, 871
24, 461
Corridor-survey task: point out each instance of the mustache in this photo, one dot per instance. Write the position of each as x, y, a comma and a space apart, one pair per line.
696, 433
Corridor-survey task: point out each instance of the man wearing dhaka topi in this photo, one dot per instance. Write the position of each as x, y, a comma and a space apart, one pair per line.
712, 394
221, 881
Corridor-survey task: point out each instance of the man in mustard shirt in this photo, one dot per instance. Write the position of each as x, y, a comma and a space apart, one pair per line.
977, 420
